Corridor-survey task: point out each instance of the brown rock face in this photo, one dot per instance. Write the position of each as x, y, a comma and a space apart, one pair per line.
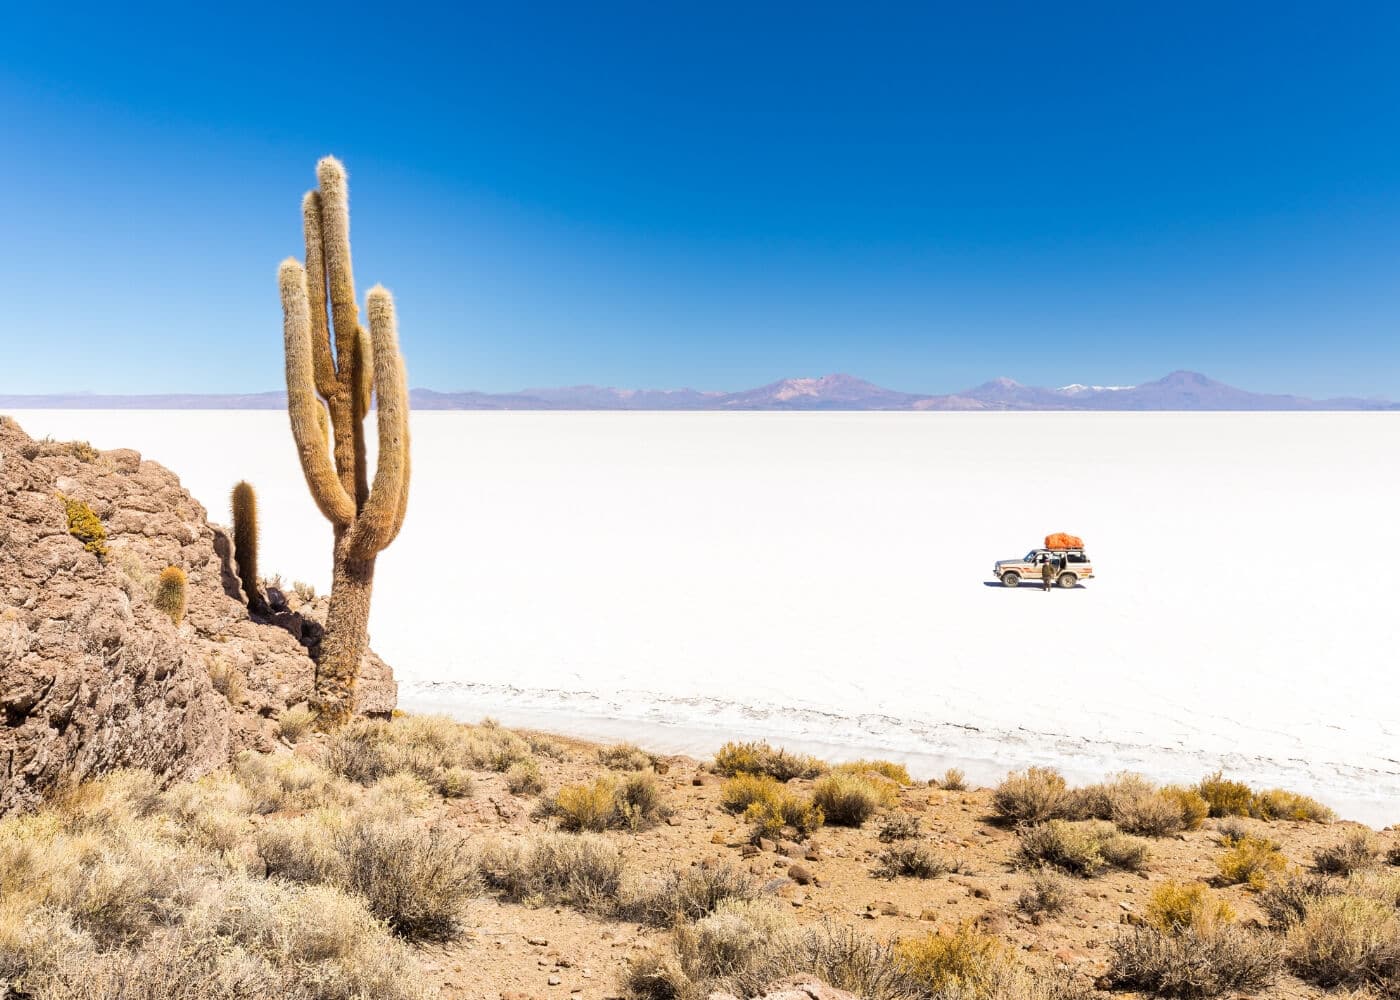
92, 677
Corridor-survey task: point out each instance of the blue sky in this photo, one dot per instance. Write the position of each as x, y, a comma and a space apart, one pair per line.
715, 195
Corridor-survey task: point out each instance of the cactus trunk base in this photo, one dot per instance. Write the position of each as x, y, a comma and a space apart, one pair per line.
347, 638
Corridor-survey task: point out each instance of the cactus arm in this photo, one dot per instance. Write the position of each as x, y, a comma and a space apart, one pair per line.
345, 317
302, 404
364, 388
397, 526
376, 521
324, 363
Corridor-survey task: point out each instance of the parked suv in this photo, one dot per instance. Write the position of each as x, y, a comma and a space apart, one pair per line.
1077, 567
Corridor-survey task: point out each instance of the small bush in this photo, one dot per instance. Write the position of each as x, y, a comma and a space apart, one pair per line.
285, 781
963, 960
913, 860
1231, 831
689, 894
625, 757
1034, 795
583, 871
1355, 851
1286, 900
1083, 848
295, 722
416, 880
760, 758
953, 780
1225, 797
849, 800
1254, 862
1347, 940
886, 769
304, 590
1190, 964
1278, 803
1138, 806
227, 678
898, 826
85, 526
744, 789
83, 451
1178, 906
524, 778
633, 803
1049, 893
1392, 856
772, 817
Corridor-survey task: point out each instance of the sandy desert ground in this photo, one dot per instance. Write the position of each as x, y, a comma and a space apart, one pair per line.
823, 580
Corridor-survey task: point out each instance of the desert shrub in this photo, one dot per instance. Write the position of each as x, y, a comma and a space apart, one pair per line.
1138, 806
1191, 806
1047, 894
213, 810
416, 880
953, 780
1225, 797
965, 960
849, 799
85, 526
396, 795
1355, 851
886, 769
457, 782
688, 894
1177, 906
1034, 795
108, 803
633, 803
304, 590
769, 805
914, 860
226, 676
1084, 848
898, 826
83, 451
1346, 940
625, 757
295, 722
1392, 855
1254, 862
760, 758
302, 849
584, 871
744, 789
1188, 963
1229, 832
286, 781
433, 747
524, 778
1278, 803
1286, 899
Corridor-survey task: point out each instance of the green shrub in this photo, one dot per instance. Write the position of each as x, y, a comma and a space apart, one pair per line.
1175, 907
1278, 803
965, 960
633, 803
1225, 797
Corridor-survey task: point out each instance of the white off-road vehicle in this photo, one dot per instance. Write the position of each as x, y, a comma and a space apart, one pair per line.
1075, 567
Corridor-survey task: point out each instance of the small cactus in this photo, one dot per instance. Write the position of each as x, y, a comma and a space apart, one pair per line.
244, 503
170, 593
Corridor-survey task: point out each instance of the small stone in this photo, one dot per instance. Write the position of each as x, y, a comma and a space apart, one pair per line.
554, 980
800, 875
538, 942
717, 837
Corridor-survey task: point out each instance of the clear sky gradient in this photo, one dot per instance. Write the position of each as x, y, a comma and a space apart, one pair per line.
715, 195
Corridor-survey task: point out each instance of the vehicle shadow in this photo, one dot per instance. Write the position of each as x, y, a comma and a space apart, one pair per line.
1029, 586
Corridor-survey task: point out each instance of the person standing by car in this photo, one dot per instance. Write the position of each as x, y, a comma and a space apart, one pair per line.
1047, 571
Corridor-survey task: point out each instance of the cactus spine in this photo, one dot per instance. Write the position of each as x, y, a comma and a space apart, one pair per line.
170, 593
243, 502
331, 380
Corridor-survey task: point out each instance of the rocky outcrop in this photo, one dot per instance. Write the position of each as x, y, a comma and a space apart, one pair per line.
92, 677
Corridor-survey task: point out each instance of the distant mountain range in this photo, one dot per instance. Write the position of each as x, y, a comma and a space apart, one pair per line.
1181, 390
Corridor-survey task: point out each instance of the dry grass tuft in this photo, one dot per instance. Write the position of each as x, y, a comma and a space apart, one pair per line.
295, 722
1234, 798
914, 860
953, 780
886, 769
689, 894
625, 757
1178, 906
898, 826
416, 880
524, 778
1347, 940
632, 803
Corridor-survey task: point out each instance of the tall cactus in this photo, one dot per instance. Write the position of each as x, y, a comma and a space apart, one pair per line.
243, 502
330, 382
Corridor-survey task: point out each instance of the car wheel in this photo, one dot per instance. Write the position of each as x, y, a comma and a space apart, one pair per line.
1068, 580
1010, 578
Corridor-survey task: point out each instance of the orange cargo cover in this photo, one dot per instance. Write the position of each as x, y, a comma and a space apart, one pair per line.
1060, 540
